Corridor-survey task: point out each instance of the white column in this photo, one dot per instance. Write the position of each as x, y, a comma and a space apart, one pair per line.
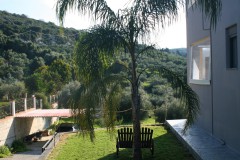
34, 101
25, 104
13, 108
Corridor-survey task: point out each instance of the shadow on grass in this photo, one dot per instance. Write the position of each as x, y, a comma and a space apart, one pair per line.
166, 147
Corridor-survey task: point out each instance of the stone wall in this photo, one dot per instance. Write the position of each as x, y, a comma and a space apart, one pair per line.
12, 128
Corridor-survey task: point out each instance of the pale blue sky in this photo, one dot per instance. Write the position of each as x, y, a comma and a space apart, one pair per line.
173, 36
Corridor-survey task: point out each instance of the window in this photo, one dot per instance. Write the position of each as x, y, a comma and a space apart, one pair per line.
232, 49
200, 62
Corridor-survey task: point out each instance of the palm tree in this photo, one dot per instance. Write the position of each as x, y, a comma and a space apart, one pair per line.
125, 28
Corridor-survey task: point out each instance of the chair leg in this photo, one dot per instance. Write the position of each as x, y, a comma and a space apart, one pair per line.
152, 148
117, 150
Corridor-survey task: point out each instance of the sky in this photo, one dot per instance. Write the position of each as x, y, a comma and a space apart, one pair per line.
172, 36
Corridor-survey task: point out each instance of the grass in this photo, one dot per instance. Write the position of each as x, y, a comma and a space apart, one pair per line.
2, 104
77, 147
146, 84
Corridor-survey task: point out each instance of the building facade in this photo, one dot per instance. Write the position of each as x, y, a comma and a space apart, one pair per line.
214, 71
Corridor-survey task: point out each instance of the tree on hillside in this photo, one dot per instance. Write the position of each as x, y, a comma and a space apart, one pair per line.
49, 79
126, 29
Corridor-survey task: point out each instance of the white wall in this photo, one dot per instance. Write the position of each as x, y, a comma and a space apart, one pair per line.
15, 128
220, 109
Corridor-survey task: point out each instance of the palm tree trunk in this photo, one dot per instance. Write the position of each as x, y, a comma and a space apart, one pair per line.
137, 154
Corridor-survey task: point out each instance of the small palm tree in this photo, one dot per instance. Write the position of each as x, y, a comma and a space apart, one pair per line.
122, 31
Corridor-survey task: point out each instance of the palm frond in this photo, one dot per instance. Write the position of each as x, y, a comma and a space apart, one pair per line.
98, 8
211, 8
101, 94
95, 51
150, 13
189, 99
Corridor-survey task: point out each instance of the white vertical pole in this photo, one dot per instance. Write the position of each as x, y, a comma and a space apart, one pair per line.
25, 104
34, 101
13, 108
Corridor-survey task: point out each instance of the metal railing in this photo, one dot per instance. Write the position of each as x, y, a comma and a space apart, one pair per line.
29, 103
38, 106
19, 105
5, 111
54, 138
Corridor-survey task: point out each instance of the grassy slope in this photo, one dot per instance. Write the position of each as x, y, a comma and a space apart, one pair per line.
77, 147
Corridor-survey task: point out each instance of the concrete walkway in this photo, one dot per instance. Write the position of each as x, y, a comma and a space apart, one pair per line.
202, 145
34, 153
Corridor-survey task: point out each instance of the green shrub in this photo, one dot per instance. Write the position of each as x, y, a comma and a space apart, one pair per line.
18, 146
99, 123
160, 114
4, 151
125, 113
45, 103
12, 91
65, 94
173, 112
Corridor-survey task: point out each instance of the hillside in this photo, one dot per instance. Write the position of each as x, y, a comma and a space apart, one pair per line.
179, 51
27, 44
38, 55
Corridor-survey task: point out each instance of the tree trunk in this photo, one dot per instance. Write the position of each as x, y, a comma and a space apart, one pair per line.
137, 154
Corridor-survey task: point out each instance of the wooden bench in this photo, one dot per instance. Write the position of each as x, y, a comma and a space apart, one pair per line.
125, 139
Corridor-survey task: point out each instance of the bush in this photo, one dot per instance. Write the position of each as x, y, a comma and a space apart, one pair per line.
125, 105
65, 94
45, 103
4, 151
160, 114
174, 111
12, 91
18, 146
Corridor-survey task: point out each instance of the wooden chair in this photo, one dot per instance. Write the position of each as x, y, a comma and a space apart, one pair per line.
125, 139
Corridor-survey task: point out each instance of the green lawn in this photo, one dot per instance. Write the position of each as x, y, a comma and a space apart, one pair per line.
2, 104
76, 147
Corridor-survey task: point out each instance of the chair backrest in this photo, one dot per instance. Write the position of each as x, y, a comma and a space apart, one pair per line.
125, 137
146, 137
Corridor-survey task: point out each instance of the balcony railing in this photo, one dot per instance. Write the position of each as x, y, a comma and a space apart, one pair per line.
30, 103
5, 111
19, 105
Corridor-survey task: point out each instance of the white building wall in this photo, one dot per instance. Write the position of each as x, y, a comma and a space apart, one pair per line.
220, 109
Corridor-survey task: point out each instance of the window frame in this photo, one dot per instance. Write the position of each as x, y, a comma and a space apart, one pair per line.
231, 33
199, 81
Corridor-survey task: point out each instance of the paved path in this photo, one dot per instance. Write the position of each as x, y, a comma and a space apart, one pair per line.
201, 144
34, 153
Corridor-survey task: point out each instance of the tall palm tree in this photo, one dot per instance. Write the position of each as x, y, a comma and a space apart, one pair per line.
125, 29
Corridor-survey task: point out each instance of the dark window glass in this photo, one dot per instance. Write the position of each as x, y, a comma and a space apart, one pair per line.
232, 49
